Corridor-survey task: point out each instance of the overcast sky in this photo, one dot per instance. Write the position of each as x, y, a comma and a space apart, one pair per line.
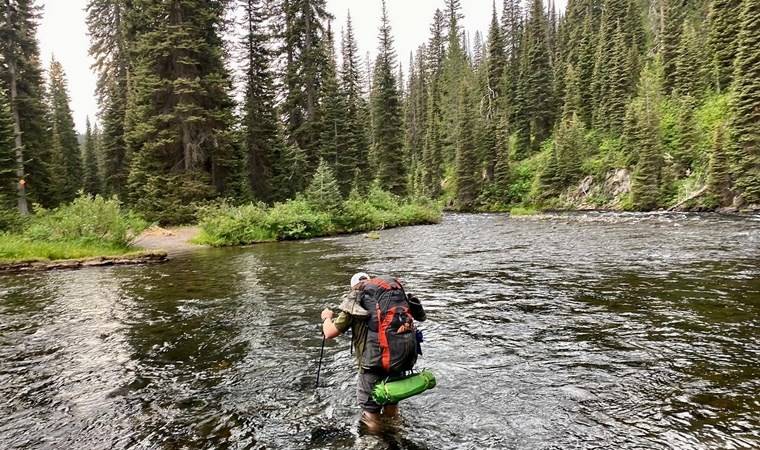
63, 33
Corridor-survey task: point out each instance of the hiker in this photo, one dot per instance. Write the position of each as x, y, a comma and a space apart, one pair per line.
380, 315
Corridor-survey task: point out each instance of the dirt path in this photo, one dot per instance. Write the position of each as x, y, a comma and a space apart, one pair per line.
171, 240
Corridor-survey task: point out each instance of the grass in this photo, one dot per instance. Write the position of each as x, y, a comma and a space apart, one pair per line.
523, 211
16, 248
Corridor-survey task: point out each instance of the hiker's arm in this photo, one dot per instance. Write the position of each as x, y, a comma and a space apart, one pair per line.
333, 328
415, 307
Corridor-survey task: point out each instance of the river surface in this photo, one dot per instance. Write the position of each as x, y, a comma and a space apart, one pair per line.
579, 331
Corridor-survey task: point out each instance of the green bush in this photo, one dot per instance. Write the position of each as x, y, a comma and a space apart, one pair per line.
88, 219
296, 220
11, 220
223, 224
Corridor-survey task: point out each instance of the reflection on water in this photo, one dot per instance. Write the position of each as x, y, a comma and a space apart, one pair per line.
609, 331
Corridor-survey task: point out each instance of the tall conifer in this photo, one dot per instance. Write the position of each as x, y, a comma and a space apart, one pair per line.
386, 114
91, 180
22, 79
66, 168
746, 127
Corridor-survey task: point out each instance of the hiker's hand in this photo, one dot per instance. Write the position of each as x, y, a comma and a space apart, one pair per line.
327, 314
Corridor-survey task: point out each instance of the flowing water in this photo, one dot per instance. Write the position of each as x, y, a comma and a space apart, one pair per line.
580, 331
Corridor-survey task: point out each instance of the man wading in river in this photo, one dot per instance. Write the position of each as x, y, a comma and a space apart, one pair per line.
381, 317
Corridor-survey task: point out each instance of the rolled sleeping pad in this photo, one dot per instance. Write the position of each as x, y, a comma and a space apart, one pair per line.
386, 392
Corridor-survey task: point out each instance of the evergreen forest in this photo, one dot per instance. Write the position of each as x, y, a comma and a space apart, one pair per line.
614, 104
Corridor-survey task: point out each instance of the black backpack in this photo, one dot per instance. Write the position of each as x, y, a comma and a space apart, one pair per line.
391, 346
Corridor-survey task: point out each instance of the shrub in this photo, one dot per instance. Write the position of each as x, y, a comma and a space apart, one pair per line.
296, 220
11, 220
88, 219
223, 224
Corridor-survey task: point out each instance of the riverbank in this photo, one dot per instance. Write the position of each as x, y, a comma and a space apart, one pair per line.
131, 258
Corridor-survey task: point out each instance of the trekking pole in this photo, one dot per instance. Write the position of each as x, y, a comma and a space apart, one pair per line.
319, 366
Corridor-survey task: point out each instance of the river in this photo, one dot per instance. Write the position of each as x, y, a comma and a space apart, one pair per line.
574, 331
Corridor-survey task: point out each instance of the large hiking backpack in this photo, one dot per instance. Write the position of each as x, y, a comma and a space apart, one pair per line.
387, 350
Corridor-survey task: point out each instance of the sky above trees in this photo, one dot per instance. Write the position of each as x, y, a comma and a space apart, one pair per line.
63, 33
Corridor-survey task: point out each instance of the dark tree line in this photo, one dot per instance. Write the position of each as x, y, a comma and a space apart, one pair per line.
516, 115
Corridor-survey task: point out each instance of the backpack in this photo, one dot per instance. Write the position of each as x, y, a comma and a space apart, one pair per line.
387, 350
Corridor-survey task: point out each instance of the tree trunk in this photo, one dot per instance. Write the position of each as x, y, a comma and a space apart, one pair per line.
23, 206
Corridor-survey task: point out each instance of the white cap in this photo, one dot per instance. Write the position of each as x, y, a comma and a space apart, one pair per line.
357, 278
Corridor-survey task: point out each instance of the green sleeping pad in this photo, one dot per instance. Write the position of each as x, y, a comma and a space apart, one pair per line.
386, 392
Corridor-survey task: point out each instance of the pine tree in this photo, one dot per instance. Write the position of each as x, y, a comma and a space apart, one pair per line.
691, 79
466, 168
67, 169
386, 115
719, 176
746, 126
724, 27
22, 80
91, 180
8, 163
323, 193
107, 27
355, 155
179, 115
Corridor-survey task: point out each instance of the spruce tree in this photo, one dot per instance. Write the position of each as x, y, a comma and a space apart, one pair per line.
323, 193
724, 27
719, 176
466, 167
691, 79
616, 89
332, 110
107, 24
305, 63
180, 113
647, 139
455, 65
415, 105
550, 178
536, 77
432, 153
261, 139
746, 126
386, 115
66, 170
671, 21
91, 180
22, 80
497, 63
355, 155
511, 26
